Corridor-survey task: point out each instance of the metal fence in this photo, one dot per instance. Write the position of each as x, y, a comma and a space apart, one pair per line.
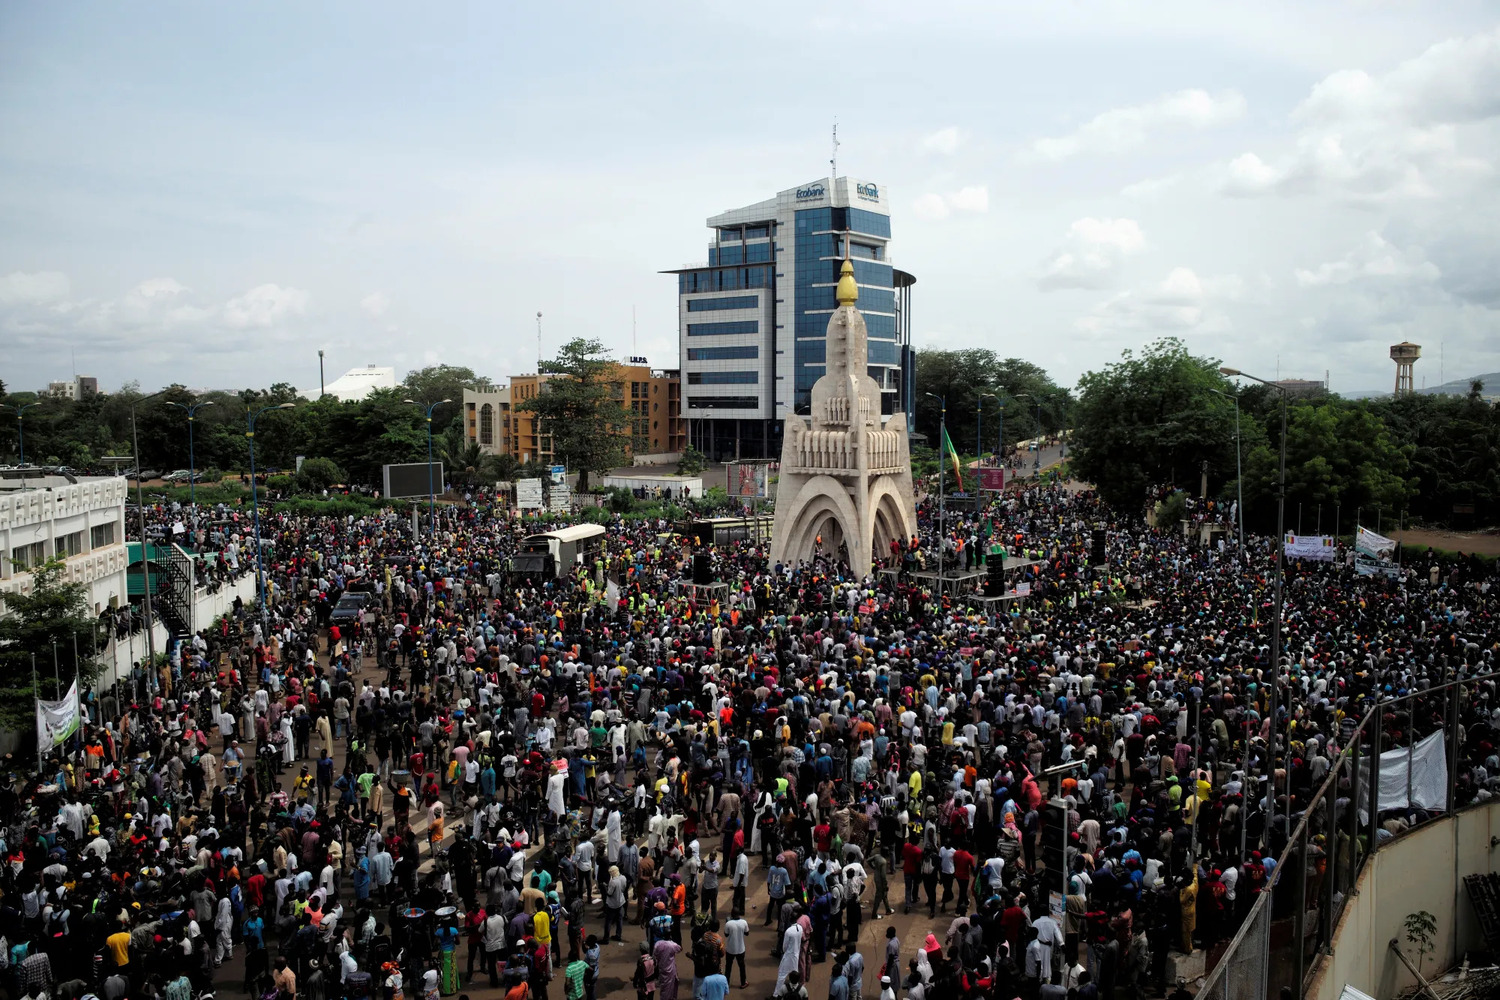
1292, 921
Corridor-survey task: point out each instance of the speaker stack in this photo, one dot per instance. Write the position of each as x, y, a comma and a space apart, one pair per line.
702, 568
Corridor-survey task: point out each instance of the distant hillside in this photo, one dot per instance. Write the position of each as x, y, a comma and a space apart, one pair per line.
1455, 387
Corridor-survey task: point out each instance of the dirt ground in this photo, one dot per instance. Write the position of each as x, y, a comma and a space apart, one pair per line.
1485, 543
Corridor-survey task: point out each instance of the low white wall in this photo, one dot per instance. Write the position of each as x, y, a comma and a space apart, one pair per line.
1423, 870
661, 458
206, 608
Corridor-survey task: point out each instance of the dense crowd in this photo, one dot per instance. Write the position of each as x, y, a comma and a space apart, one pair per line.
487, 779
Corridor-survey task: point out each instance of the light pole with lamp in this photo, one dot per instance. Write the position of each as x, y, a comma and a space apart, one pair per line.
431, 499
140, 509
942, 479
260, 567
21, 436
1036, 467
1027, 395
1238, 469
190, 410
1276, 629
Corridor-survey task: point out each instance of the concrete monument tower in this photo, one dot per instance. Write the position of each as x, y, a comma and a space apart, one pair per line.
846, 472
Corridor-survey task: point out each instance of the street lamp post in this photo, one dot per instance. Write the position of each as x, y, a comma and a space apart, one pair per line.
1276, 628
21, 436
192, 465
260, 567
942, 495
140, 509
979, 441
431, 497
1238, 469
1037, 466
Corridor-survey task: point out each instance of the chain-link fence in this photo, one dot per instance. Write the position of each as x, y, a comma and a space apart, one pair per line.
1293, 919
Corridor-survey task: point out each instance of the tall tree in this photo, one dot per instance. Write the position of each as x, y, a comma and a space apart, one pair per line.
1150, 419
581, 407
963, 378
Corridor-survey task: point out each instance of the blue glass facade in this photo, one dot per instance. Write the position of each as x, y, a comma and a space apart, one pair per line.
821, 237
723, 378
723, 329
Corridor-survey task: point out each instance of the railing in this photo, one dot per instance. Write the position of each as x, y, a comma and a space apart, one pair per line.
1298, 907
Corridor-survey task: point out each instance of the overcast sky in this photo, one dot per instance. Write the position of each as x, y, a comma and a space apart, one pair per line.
208, 193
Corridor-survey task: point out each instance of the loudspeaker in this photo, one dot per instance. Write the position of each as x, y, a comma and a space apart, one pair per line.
702, 568
1097, 555
994, 580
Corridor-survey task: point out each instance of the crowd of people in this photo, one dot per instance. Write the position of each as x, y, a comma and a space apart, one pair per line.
488, 780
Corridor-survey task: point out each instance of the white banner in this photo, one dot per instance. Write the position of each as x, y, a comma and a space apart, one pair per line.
57, 720
1372, 544
1429, 777
1370, 565
529, 494
1319, 548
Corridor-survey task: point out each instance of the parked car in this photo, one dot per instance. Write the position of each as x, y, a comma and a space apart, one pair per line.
144, 475
180, 476
348, 608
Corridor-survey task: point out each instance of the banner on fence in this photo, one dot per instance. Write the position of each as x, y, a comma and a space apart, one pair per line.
57, 720
1371, 544
1318, 548
1428, 778
1370, 565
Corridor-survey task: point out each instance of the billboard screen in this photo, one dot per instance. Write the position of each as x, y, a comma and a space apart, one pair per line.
409, 480
991, 478
749, 479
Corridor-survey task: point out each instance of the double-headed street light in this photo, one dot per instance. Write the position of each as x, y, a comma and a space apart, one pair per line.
260, 567
190, 410
942, 479
431, 496
1276, 629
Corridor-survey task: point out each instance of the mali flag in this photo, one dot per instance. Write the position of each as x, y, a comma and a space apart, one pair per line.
958, 474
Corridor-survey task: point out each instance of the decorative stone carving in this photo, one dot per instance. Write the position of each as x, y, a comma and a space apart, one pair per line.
845, 472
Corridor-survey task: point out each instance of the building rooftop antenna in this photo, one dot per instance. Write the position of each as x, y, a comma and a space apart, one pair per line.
833, 161
539, 342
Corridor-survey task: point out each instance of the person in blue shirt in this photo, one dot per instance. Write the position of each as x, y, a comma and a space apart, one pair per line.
777, 880
715, 987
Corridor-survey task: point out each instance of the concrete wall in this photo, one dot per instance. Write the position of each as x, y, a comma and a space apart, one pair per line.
1422, 870
207, 607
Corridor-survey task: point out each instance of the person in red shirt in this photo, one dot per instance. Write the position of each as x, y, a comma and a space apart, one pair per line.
911, 866
823, 838
963, 870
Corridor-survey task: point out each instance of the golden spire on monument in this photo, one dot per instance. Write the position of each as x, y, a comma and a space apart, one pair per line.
847, 292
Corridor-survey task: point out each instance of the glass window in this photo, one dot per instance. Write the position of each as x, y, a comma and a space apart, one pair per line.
486, 424
723, 402
24, 557
727, 302
872, 223
744, 353
723, 378
101, 535
723, 329
70, 544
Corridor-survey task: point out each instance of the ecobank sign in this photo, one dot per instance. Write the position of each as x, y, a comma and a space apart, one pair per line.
869, 192
811, 191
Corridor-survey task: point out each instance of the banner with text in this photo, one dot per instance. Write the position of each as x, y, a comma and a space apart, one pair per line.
1318, 548
1371, 544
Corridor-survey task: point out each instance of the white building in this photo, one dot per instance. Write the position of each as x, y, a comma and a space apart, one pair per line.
752, 321
357, 383
80, 520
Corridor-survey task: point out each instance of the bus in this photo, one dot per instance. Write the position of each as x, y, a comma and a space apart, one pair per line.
723, 530
555, 554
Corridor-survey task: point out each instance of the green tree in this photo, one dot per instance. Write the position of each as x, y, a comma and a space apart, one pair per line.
435, 382
580, 408
964, 377
318, 474
54, 615
1152, 418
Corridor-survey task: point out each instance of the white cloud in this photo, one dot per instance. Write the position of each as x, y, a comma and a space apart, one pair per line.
158, 313
1181, 301
1092, 253
1373, 138
38, 286
1375, 259
1122, 129
974, 198
944, 140
375, 304
264, 306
